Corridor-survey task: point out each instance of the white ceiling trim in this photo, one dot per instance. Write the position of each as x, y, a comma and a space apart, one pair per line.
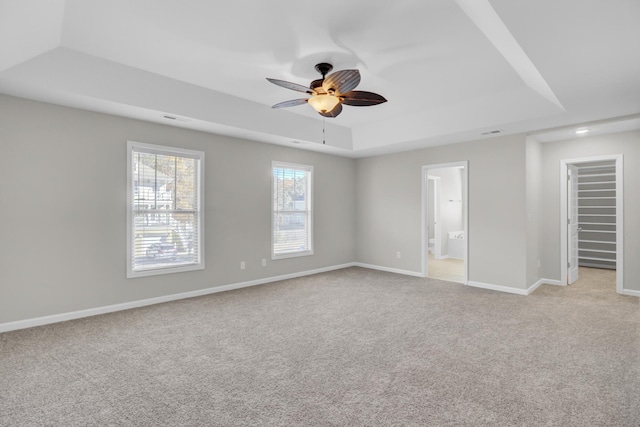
485, 17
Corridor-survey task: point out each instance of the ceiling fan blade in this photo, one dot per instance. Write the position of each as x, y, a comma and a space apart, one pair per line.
333, 113
341, 81
289, 85
360, 98
291, 103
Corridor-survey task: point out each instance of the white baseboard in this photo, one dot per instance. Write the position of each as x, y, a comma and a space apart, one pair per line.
543, 281
535, 286
62, 317
499, 288
552, 282
630, 293
389, 269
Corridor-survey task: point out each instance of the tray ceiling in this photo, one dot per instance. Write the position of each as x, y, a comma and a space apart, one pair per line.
451, 70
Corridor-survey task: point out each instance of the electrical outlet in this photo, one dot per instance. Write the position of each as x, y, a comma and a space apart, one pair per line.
264, 262
242, 265
398, 254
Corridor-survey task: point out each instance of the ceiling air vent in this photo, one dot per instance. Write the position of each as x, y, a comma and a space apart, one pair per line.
492, 132
176, 118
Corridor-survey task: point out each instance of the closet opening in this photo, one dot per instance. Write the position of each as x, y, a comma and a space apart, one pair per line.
591, 218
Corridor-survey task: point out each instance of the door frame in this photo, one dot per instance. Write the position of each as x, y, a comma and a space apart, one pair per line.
619, 216
573, 224
465, 197
437, 232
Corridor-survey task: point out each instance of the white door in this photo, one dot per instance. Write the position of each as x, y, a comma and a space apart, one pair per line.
437, 232
572, 223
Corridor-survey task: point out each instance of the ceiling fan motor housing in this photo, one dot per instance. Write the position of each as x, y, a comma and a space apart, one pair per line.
324, 68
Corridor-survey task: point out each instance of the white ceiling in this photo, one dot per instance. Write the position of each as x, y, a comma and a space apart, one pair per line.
451, 70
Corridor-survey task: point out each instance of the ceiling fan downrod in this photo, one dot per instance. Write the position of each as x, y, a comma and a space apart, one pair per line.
324, 68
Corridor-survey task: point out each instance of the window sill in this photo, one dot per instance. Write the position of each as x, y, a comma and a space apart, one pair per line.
168, 270
291, 255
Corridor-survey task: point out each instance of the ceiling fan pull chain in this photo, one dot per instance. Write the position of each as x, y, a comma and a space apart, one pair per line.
323, 141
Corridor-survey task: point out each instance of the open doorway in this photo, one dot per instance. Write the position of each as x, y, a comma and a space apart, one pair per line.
445, 248
591, 220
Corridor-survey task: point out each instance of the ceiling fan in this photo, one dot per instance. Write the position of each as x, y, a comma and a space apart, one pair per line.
330, 92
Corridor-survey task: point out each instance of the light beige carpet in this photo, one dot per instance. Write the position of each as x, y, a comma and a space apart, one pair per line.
592, 283
352, 347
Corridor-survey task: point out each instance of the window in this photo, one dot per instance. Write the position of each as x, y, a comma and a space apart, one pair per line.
164, 209
292, 221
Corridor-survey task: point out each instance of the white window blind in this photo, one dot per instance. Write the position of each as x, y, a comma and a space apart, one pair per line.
292, 219
164, 233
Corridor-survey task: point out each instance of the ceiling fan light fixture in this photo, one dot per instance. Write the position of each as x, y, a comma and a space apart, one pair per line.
329, 93
324, 103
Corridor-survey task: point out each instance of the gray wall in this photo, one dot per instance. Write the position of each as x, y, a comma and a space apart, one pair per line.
534, 206
389, 208
63, 216
63, 192
627, 144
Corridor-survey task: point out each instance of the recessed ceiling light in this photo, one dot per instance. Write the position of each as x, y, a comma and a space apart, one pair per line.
582, 131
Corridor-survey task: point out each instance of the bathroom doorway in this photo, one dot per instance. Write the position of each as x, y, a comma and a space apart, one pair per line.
445, 248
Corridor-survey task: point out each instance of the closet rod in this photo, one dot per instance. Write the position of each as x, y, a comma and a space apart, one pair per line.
595, 174
596, 259
596, 241
597, 182
597, 250
597, 167
599, 197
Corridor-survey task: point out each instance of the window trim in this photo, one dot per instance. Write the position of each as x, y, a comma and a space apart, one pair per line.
309, 170
164, 150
